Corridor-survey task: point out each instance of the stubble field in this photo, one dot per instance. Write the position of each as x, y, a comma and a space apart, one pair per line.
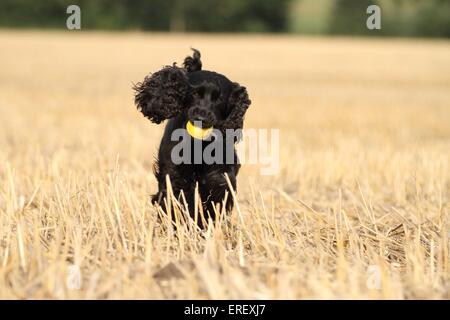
359, 208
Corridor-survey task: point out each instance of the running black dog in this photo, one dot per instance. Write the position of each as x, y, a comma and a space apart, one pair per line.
196, 101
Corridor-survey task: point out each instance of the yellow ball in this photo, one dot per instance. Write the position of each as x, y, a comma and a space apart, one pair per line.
198, 133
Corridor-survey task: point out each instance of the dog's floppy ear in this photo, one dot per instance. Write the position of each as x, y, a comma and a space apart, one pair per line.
161, 95
193, 63
238, 103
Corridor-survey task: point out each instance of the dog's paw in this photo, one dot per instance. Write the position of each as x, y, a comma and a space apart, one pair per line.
158, 198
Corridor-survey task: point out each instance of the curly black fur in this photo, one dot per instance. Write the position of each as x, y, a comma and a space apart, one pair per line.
238, 103
193, 63
161, 95
192, 94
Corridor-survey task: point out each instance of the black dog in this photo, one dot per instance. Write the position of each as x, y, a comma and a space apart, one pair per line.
188, 96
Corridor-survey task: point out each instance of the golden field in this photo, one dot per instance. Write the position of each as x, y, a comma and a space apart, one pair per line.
359, 209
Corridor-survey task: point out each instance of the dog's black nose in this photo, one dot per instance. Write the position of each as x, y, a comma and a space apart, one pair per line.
201, 116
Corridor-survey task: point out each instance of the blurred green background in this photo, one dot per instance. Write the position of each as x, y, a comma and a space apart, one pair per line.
422, 18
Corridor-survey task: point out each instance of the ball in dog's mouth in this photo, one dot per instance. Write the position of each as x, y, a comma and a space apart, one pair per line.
198, 132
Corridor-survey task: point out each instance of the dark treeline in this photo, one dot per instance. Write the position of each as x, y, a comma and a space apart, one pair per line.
400, 17
160, 15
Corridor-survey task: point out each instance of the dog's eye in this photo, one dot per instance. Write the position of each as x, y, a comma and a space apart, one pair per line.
201, 92
215, 95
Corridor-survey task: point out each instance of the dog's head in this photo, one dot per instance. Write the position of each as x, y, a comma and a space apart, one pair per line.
203, 97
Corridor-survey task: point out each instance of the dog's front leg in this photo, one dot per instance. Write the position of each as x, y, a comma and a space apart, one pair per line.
214, 187
181, 182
